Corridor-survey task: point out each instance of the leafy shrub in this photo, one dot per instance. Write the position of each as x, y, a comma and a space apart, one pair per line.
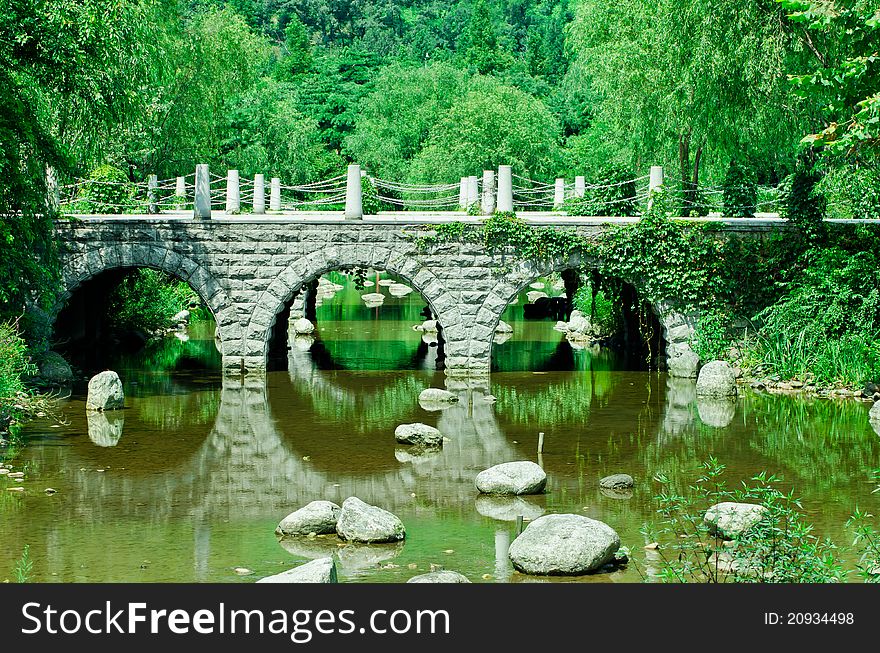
780, 548
108, 190
851, 192
601, 310
804, 206
147, 300
15, 365
740, 191
612, 194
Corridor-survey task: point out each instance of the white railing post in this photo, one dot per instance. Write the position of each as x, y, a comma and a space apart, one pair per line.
180, 193
559, 194
580, 186
233, 192
505, 189
354, 198
462, 192
654, 183
152, 187
488, 192
202, 199
473, 191
275, 194
259, 203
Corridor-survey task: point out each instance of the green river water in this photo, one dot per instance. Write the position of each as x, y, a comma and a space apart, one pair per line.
189, 481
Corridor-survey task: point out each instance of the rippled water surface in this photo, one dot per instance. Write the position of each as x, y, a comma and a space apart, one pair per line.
189, 481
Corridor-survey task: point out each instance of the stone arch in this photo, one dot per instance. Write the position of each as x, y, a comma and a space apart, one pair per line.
312, 265
678, 329
76, 270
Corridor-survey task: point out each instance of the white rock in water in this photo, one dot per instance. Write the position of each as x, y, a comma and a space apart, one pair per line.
503, 327
874, 414
373, 297
361, 522
567, 545
536, 285
520, 477
437, 395
386, 282
730, 519
302, 326
716, 379
441, 576
182, 316
681, 361
322, 570
368, 284
105, 392
428, 326
399, 290
418, 434
534, 295
617, 482
317, 517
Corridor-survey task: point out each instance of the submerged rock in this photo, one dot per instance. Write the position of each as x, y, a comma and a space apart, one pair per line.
322, 570
534, 295
681, 361
520, 477
317, 517
503, 327
441, 576
716, 379
361, 522
418, 434
428, 326
617, 482
105, 392
567, 545
730, 519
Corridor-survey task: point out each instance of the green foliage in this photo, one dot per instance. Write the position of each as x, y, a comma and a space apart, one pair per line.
740, 191
780, 548
15, 365
713, 337
851, 192
826, 323
480, 46
846, 73
613, 193
489, 125
108, 190
805, 209
24, 566
603, 311
371, 203
146, 300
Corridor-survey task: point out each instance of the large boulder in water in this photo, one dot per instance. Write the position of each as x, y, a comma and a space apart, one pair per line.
302, 326
617, 482
322, 570
681, 361
874, 414
361, 522
730, 519
520, 477
436, 395
317, 517
568, 545
418, 434
105, 392
716, 379
441, 576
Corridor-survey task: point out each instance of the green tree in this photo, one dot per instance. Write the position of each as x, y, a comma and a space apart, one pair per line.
397, 116
491, 124
481, 49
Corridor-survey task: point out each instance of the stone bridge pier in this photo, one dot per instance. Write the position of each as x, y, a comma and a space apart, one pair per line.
247, 270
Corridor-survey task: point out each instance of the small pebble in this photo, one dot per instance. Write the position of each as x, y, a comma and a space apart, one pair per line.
449, 551
15, 489
243, 571
487, 577
50, 490
307, 458
652, 546
412, 565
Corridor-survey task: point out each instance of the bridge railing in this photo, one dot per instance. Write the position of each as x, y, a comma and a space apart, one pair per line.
355, 193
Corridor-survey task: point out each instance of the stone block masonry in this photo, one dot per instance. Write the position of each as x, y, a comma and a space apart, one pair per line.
247, 269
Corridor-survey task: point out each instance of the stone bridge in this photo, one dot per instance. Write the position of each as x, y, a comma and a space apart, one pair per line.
248, 269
